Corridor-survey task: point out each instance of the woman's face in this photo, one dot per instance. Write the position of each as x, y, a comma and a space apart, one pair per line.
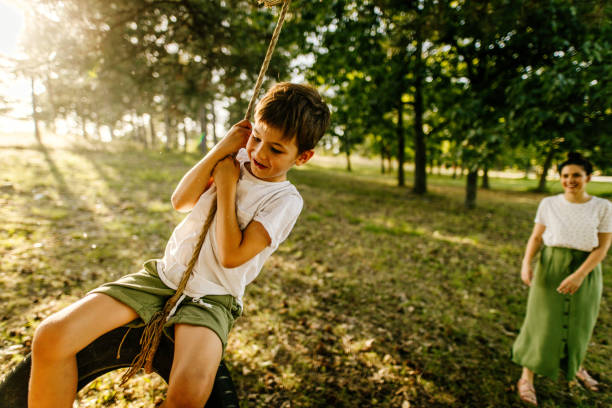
574, 179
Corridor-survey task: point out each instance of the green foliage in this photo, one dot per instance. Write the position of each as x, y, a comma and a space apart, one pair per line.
560, 96
498, 74
481, 83
103, 60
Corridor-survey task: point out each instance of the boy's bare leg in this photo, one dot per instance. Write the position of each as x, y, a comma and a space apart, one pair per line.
197, 355
60, 337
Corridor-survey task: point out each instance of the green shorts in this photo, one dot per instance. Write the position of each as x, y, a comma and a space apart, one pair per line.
145, 292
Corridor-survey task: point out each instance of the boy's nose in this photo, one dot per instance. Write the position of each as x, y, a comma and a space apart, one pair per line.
260, 151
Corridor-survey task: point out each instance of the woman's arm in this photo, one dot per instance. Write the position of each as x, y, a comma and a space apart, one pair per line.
533, 246
572, 283
198, 179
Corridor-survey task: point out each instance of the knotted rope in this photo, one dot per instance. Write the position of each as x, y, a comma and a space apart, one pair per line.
152, 333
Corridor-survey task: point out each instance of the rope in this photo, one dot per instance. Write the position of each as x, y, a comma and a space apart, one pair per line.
266, 62
152, 333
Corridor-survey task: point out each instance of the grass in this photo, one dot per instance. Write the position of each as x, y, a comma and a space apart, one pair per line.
378, 298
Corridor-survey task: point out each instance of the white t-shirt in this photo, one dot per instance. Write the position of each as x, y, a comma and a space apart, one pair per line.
276, 205
572, 225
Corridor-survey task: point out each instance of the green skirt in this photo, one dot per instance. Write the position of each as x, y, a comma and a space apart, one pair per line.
557, 328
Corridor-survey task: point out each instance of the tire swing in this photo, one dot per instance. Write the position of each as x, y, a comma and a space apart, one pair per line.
136, 348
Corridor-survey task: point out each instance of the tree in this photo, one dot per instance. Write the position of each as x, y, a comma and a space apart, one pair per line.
147, 57
559, 102
480, 65
385, 48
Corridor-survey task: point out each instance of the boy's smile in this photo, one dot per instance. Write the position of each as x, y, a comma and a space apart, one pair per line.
272, 154
258, 164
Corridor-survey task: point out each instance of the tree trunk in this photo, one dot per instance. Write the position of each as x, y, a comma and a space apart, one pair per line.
84, 127
202, 145
175, 133
111, 129
347, 152
98, 134
168, 129
153, 135
143, 132
485, 177
400, 144
420, 152
35, 114
471, 187
383, 153
50, 91
214, 123
545, 167
134, 133
185, 135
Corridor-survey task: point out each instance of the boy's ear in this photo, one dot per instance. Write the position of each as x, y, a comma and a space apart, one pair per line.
304, 157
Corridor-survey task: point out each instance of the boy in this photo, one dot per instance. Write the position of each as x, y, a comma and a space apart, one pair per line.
256, 210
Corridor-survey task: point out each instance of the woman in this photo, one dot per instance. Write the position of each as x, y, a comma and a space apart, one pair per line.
564, 294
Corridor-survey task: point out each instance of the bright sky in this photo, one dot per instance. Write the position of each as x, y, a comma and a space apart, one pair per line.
11, 25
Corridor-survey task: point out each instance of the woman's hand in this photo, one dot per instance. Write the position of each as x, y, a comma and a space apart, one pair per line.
226, 172
236, 138
571, 284
526, 273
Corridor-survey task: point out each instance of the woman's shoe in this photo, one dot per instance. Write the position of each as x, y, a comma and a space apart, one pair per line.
589, 382
526, 392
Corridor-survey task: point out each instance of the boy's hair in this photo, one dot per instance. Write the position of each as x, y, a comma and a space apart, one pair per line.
296, 110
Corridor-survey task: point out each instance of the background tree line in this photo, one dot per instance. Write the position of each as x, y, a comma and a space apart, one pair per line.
462, 85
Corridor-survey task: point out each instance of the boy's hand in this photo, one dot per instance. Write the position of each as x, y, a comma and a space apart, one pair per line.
237, 137
226, 172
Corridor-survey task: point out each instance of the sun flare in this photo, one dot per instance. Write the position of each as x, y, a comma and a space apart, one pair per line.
11, 25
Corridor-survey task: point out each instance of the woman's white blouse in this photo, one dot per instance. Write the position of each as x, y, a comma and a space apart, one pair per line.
572, 225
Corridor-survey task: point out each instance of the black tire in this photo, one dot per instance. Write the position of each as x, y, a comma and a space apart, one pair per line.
100, 357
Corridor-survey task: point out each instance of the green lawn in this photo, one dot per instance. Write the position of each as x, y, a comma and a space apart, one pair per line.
378, 298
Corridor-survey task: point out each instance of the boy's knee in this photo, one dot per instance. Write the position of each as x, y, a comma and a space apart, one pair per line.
50, 339
190, 392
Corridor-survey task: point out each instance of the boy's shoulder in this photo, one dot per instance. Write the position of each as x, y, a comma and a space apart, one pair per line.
252, 191
276, 192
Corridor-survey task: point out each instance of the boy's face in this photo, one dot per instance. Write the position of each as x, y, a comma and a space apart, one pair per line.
271, 155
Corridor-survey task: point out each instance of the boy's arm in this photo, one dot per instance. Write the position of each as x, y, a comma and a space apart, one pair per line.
234, 246
198, 179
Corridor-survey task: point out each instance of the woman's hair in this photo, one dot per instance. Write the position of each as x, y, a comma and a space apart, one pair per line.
579, 160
